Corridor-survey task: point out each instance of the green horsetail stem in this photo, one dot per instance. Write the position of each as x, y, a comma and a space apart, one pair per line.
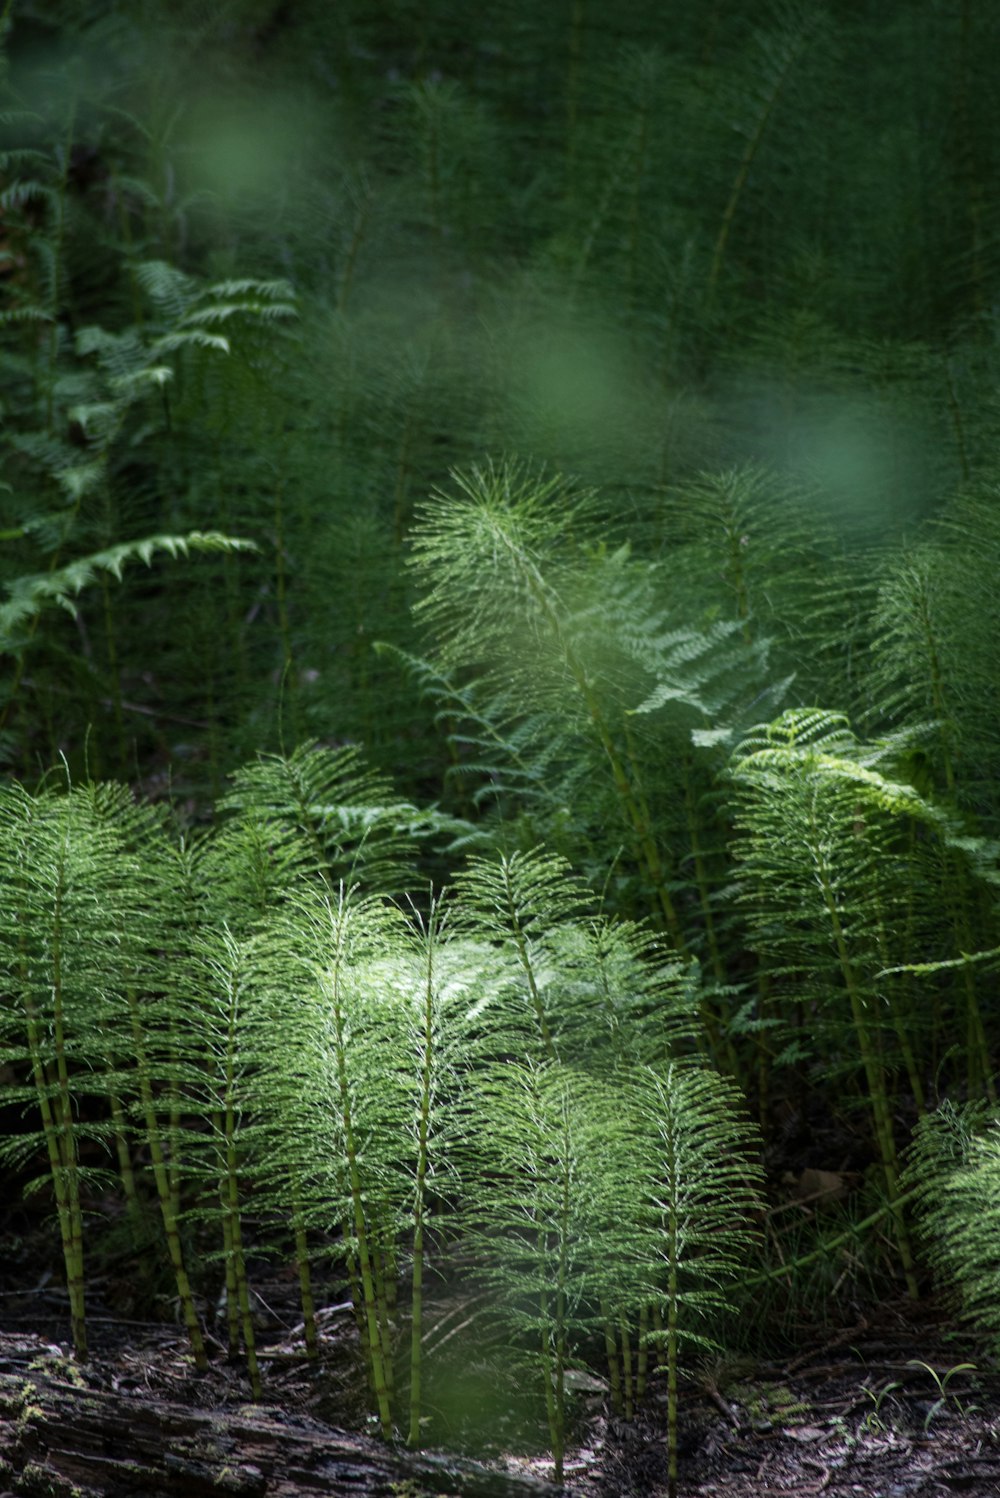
161, 1176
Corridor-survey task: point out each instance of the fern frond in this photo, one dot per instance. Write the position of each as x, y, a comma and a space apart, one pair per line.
30, 595
166, 286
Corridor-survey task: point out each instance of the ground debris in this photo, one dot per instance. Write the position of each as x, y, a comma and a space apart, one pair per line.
862, 1415
67, 1429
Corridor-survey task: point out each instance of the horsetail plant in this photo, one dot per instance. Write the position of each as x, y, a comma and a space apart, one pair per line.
159, 1019
344, 1049
591, 1199
67, 889
428, 1043
953, 1167
499, 578
83, 875
519, 902
534, 1213
219, 982
827, 864
698, 1191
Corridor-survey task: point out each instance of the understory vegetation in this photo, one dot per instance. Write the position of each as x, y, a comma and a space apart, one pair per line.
500, 728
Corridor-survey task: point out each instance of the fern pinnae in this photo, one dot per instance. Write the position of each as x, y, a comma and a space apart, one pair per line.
30, 595
475, 738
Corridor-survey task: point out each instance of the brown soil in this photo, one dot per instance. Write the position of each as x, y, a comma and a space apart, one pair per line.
882, 1409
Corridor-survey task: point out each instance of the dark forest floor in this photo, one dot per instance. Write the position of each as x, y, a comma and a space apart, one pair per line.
880, 1409
875, 1398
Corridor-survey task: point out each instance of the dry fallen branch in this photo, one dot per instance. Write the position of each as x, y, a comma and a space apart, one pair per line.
59, 1433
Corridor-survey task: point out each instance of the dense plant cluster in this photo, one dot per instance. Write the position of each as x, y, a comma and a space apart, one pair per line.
576, 433
491, 1075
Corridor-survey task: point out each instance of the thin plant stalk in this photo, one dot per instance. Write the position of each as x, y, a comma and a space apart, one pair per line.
303, 1266
550, 1383
627, 1383
161, 1176
720, 1047
229, 1119
369, 1289
384, 1271
229, 1269
611, 1352
126, 1170
527, 966
64, 1130
794, 46
874, 1072
642, 1352
427, 1038
239, 1272
670, 1338
63, 1174
557, 1338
